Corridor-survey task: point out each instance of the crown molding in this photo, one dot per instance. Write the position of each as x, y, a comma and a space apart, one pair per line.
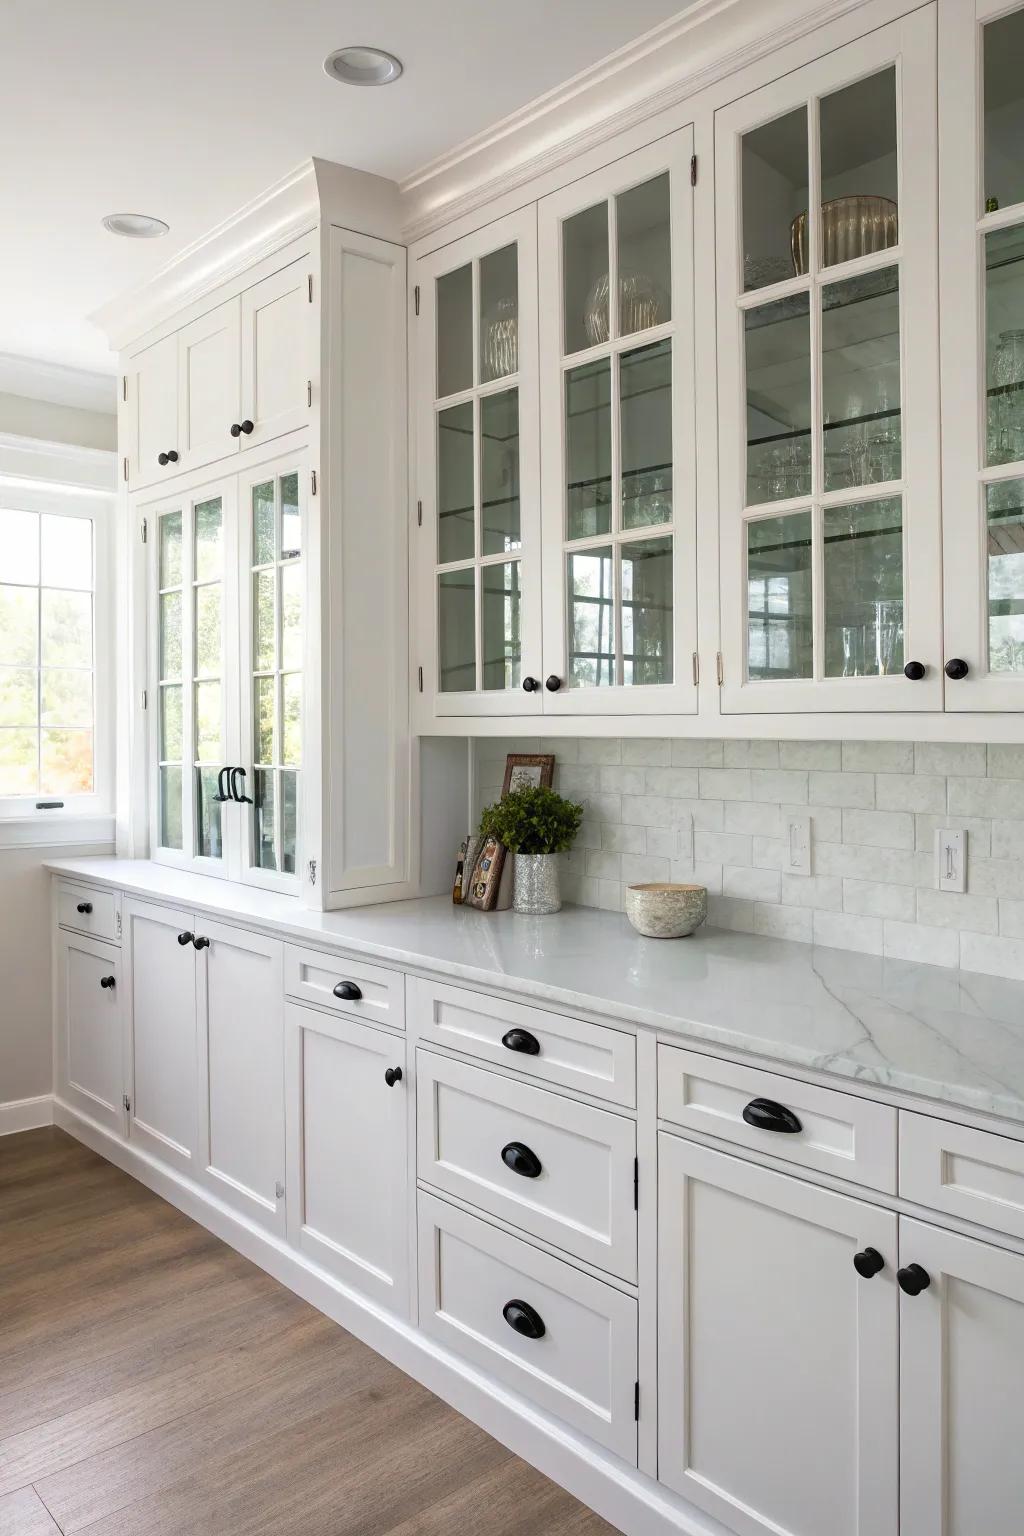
56, 384
658, 71
58, 467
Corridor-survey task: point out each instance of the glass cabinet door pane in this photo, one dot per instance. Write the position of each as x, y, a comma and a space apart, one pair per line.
588, 437
264, 820
1004, 111
860, 380
644, 256
170, 746
291, 615
289, 821
208, 540
170, 550
499, 472
585, 278
645, 415
291, 517
501, 625
208, 830
863, 557
208, 630
170, 807
208, 722
780, 631
647, 611
265, 702
775, 180
455, 499
1004, 338
590, 582
291, 719
170, 635
777, 340
455, 331
456, 620
499, 314
859, 171
264, 532
1004, 507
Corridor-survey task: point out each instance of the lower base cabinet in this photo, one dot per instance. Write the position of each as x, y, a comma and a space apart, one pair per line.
90, 1031
163, 1089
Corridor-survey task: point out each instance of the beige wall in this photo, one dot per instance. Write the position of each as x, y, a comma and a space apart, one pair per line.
22, 417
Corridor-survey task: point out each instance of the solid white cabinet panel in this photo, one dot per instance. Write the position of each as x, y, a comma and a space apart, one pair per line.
164, 1066
777, 1374
153, 413
208, 386
347, 1141
90, 1029
962, 1416
277, 356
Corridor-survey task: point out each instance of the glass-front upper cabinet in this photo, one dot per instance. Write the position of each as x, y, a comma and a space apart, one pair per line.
478, 466
617, 413
981, 105
828, 368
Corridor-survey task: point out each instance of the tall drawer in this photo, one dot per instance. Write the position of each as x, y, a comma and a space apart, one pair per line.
89, 909
833, 1132
975, 1175
548, 1046
561, 1171
577, 1354
353, 987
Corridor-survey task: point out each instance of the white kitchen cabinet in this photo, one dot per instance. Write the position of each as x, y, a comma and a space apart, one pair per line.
151, 415
163, 1077
89, 1023
348, 1187
777, 1359
278, 342
208, 387
961, 1418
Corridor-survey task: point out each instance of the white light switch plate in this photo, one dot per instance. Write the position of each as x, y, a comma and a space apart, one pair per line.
797, 858
950, 859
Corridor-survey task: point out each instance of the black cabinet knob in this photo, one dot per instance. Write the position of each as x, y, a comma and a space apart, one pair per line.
236, 430
913, 1279
200, 943
552, 683
517, 1156
247, 427
106, 981
85, 907
392, 1075
915, 670
521, 1040
956, 668
172, 456
348, 992
766, 1115
162, 459
185, 938
530, 685
521, 1317
868, 1262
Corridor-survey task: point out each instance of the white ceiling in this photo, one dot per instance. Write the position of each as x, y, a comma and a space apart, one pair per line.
188, 110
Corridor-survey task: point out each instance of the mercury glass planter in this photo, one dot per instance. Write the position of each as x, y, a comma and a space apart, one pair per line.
536, 890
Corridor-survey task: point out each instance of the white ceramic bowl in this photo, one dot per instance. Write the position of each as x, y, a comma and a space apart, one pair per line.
663, 911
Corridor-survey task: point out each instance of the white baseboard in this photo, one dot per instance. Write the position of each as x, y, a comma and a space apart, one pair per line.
636, 1504
26, 1114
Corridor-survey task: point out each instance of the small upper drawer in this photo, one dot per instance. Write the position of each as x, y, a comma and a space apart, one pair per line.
975, 1175
834, 1132
89, 909
364, 991
549, 1046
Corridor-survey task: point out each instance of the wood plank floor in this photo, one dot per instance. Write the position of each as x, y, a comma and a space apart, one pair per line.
155, 1383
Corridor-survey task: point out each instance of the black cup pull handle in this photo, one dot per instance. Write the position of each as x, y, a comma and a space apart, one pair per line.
348, 992
107, 981
199, 942
85, 907
523, 1318
392, 1075
913, 1279
868, 1262
521, 1040
521, 1159
185, 938
766, 1115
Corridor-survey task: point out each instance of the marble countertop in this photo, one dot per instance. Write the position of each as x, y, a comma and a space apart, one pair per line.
952, 1036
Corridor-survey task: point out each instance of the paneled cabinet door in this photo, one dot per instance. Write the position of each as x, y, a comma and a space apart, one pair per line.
981, 276
152, 415
961, 1414
90, 1030
348, 1179
617, 422
163, 1086
277, 354
208, 387
828, 382
479, 471
777, 1371
241, 1069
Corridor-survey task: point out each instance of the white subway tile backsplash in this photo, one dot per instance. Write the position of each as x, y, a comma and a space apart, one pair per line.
915, 941
996, 877
910, 792
1007, 840
810, 754
992, 956
750, 754
950, 909
679, 783
770, 853
646, 752
879, 829
722, 847
724, 783
1005, 762
986, 797
1011, 919
980, 834
873, 898
668, 842
653, 810
600, 749
844, 931
602, 865
950, 757
895, 866
731, 912
639, 868
822, 892
774, 922
697, 754
617, 780
878, 756
843, 789
754, 884
779, 784
619, 838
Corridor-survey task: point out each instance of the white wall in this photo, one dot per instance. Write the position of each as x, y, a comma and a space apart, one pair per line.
55, 423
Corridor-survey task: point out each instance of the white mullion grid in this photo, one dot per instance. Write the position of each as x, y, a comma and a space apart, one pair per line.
188, 672
816, 371
478, 535
614, 427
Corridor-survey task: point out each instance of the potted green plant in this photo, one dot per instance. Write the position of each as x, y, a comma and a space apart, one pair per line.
535, 824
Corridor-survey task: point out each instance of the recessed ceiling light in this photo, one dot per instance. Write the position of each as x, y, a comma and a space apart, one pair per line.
137, 226
362, 66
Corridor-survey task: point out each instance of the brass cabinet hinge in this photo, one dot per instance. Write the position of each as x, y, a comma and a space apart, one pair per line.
416, 298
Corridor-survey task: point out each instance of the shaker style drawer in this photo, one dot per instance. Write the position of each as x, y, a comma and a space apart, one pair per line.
362, 991
550, 1047
88, 909
561, 1171
564, 1340
975, 1175
833, 1132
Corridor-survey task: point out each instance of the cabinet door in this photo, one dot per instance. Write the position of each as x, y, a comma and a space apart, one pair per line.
154, 418
163, 1093
348, 1186
617, 421
981, 274
777, 1371
962, 1419
277, 354
241, 1069
208, 386
479, 471
90, 1039
828, 382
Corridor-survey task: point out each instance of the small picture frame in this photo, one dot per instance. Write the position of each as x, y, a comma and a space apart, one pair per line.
481, 891
528, 770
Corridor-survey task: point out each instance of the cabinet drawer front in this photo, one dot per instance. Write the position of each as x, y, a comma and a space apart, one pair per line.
569, 1052
852, 1138
975, 1175
581, 1368
87, 909
314, 978
575, 1189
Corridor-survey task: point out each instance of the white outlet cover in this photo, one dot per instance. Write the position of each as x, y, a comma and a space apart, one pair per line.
951, 859
797, 857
